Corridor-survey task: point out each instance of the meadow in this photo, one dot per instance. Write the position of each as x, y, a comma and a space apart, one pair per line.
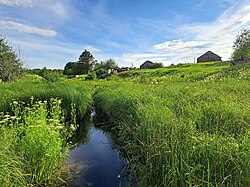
184, 125
36, 122
176, 130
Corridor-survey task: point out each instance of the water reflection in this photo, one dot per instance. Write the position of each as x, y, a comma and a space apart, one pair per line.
81, 136
95, 162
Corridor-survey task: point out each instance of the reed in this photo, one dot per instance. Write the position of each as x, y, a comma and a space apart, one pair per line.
34, 144
78, 93
183, 133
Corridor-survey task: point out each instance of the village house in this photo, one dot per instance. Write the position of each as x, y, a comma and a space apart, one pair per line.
146, 65
209, 57
122, 69
112, 71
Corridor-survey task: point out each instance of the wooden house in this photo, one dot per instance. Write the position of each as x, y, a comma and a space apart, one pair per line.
209, 57
146, 65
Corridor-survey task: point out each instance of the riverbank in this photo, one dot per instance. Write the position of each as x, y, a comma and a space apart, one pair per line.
174, 128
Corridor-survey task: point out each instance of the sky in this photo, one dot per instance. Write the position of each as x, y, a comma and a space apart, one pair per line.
50, 33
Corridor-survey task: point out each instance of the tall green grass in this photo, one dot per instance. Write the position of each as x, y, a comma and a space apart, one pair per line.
35, 131
70, 92
184, 133
186, 125
34, 143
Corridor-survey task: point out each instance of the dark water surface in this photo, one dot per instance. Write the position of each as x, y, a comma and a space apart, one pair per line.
95, 162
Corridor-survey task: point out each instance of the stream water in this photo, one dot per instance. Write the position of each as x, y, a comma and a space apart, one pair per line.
95, 161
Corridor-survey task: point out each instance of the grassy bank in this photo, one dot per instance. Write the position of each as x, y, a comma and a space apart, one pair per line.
185, 125
33, 144
78, 93
35, 128
183, 133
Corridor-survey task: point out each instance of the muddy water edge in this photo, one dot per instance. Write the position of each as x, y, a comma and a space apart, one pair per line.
95, 160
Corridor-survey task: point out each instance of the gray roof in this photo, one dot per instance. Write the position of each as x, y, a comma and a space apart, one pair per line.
147, 62
209, 52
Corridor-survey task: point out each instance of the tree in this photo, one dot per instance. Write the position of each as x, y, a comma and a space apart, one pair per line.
107, 64
110, 63
156, 65
242, 46
100, 72
68, 69
87, 60
10, 63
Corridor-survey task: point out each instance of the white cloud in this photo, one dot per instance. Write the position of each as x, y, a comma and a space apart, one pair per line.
138, 58
12, 25
179, 44
221, 33
23, 3
40, 52
59, 9
195, 39
143, 55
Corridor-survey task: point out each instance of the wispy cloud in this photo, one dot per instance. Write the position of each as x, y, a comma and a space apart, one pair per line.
39, 52
20, 27
179, 45
68, 27
22, 3
195, 39
59, 9
221, 33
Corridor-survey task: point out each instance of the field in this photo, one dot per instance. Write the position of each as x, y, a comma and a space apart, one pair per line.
184, 125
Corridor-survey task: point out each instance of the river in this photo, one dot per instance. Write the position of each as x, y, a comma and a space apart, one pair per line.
95, 161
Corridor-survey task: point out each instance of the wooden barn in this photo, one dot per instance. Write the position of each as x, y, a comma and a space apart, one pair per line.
146, 65
209, 57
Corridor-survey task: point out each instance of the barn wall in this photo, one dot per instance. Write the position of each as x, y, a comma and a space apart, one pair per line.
145, 66
208, 58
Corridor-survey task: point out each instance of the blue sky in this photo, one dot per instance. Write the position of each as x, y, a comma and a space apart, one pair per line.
53, 32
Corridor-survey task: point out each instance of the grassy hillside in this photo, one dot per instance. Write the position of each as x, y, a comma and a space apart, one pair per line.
183, 125
186, 125
188, 72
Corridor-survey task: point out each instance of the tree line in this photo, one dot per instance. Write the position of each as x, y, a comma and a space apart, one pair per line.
86, 64
11, 65
10, 62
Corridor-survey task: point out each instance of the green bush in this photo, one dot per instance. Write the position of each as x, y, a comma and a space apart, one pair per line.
182, 133
36, 143
156, 65
100, 72
90, 76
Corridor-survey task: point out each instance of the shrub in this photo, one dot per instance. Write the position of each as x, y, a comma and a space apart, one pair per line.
156, 65
90, 76
34, 143
100, 72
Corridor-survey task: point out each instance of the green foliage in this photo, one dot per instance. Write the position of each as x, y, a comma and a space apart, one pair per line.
70, 92
68, 69
184, 125
242, 46
90, 76
87, 60
48, 74
74, 68
30, 78
156, 65
84, 65
107, 64
11, 172
181, 132
100, 72
37, 139
10, 63
51, 76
